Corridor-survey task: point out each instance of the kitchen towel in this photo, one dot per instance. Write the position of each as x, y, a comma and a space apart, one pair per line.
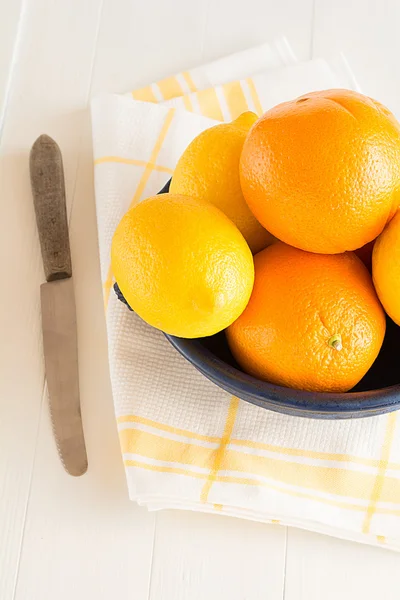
186, 443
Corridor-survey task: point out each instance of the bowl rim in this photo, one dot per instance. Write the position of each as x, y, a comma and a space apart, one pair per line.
277, 397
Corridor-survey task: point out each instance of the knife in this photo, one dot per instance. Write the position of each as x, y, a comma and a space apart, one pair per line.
58, 304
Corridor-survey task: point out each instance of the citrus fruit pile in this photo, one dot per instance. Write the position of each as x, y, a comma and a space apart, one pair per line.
283, 230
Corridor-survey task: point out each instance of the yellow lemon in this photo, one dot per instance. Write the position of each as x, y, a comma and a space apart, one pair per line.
182, 265
386, 268
209, 170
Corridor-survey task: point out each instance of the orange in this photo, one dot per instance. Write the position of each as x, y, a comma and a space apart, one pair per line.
322, 172
313, 321
386, 268
209, 170
182, 265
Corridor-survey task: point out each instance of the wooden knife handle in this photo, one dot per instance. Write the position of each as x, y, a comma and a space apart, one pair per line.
48, 189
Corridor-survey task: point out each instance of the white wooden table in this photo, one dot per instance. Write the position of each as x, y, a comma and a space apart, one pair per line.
65, 538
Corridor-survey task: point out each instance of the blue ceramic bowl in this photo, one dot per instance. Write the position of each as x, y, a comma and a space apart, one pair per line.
377, 393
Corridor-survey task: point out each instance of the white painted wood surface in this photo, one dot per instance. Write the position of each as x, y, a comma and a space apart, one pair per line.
65, 538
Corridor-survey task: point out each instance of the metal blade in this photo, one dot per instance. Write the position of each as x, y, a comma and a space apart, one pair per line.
61, 361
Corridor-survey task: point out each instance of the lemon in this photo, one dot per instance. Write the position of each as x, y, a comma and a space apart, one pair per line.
182, 265
209, 170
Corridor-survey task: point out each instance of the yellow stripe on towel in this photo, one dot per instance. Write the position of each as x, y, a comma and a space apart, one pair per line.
209, 104
189, 81
131, 161
235, 98
254, 96
145, 94
170, 88
219, 454
140, 188
379, 489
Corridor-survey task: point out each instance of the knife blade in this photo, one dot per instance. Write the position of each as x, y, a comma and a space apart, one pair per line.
58, 304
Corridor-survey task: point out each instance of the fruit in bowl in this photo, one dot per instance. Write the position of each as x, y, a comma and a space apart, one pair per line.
313, 321
320, 173
182, 265
209, 170
386, 268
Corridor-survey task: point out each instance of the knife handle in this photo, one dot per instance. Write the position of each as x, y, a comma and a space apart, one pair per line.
48, 189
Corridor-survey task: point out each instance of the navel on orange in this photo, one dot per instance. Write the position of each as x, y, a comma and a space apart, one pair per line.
313, 321
322, 172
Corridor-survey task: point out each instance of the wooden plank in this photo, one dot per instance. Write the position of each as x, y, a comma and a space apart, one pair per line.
92, 539
232, 25
367, 31
198, 556
50, 86
10, 24
141, 42
83, 537
79, 535
318, 567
